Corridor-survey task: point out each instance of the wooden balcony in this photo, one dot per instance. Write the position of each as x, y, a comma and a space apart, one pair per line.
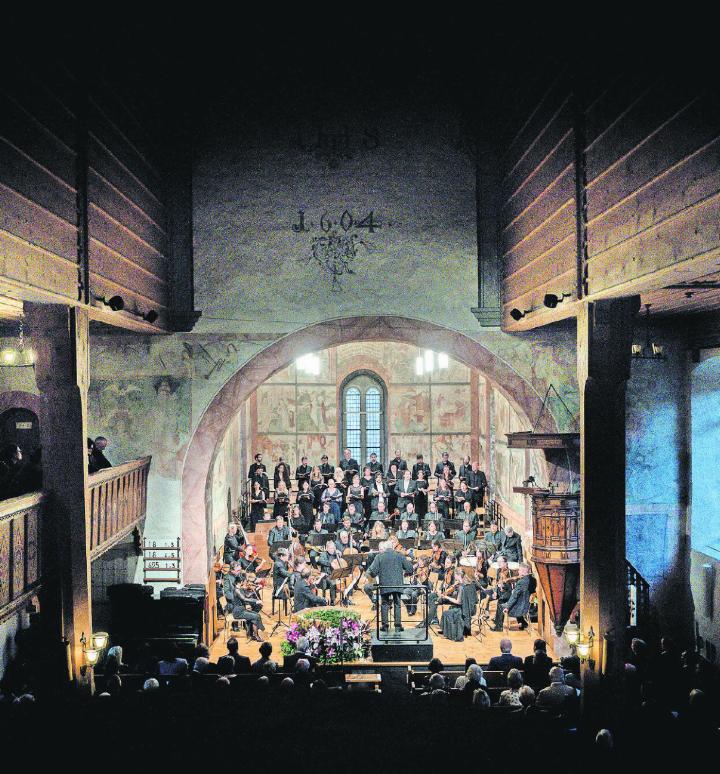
20, 530
118, 502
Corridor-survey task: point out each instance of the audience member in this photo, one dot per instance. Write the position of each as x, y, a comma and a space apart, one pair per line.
505, 661
241, 663
265, 665
557, 695
173, 665
511, 696
537, 667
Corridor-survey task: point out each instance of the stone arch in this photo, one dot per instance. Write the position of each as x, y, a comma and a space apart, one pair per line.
198, 463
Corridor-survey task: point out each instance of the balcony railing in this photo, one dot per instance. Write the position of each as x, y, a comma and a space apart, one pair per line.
638, 597
20, 565
118, 501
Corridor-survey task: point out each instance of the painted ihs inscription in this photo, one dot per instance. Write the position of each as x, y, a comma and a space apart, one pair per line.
338, 241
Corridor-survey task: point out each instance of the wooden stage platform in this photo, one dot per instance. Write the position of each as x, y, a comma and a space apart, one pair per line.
447, 651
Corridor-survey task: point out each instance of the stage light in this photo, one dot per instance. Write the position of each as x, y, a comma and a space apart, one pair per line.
551, 300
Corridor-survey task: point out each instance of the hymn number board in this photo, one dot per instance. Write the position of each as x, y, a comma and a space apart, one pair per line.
161, 562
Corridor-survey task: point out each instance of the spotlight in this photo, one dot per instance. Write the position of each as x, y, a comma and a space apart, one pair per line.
150, 316
116, 303
551, 300
517, 315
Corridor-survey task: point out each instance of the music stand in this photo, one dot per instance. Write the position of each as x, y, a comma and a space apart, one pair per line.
275, 547
407, 542
319, 540
276, 595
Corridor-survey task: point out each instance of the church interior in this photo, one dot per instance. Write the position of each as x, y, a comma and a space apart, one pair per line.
360, 381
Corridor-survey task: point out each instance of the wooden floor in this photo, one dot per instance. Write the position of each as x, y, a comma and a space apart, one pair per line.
448, 651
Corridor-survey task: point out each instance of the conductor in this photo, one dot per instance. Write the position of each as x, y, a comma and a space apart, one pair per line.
388, 567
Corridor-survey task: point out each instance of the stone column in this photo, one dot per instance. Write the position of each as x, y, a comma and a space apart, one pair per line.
60, 339
604, 338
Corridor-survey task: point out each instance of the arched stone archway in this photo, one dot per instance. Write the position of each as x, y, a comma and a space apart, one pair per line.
212, 425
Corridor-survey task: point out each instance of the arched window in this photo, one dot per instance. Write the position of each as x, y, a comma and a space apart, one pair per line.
363, 416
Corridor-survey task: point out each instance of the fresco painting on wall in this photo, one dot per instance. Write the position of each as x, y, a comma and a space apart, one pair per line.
283, 376
276, 409
272, 447
450, 408
409, 409
455, 372
316, 409
482, 407
410, 446
501, 415
457, 446
314, 445
327, 370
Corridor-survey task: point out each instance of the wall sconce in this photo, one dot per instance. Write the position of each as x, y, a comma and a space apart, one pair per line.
517, 315
100, 640
18, 356
572, 634
649, 350
91, 650
116, 303
584, 646
551, 300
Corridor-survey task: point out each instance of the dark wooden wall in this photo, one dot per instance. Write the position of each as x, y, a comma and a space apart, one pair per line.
649, 200
43, 116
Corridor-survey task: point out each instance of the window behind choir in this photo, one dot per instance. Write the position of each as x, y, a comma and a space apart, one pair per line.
363, 416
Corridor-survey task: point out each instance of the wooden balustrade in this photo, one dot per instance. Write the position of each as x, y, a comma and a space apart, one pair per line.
20, 565
118, 501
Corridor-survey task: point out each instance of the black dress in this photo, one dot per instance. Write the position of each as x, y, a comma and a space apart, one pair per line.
257, 509
306, 500
421, 498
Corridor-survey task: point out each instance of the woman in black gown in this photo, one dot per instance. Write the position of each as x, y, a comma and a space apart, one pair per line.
257, 503
306, 500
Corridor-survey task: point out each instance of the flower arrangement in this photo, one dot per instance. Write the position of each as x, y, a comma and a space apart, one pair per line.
334, 635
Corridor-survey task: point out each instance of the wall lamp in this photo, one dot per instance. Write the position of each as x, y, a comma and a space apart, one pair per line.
517, 315
551, 300
581, 645
116, 303
92, 649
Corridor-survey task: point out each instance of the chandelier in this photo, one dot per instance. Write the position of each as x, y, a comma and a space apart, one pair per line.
18, 355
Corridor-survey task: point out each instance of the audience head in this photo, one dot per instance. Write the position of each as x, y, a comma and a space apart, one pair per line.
435, 665
526, 696
263, 681
474, 673
201, 665
226, 665
505, 645
481, 699
150, 685
302, 666
232, 646
557, 675
266, 648
514, 680
436, 681
604, 739
287, 684
113, 685
302, 645
469, 661
202, 650
540, 646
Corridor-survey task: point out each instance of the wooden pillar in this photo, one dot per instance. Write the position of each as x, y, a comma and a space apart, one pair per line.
604, 338
60, 339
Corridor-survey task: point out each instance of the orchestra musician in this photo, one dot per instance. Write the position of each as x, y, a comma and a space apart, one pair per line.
232, 543
405, 533
467, 514
518, 602
502, 579
512, 547
446, 580
328, 562
279, 533
438, 556
327, 517
305, 594
379, 531
247, 607
380, 514
258, 501
495, 538
433, 515
432, 533
281, 573
316, 530
462, 598
354, 516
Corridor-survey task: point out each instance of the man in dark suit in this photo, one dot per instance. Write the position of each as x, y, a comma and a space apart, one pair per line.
445, 461
405, 491
397, 460
420, 465
302, 650
349, 466
327, 470
518, 603
302, 472
255, 467
304, 597
98, 455
242, 663
538, 666
374, 465
505, 661
388, 567
512, 545
477, 483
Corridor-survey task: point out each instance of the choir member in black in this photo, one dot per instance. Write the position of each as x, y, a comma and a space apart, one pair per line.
304, 595
367, 482
464, 469
355, 516
356, 493
342, 485
281, 500
305, 500
261, 477
405, 491
246, 607
433, 515
99, 446
317, 485
281, 574
327, 517
380, 514
316, 530
328, 563
379, 491
279, 533
302, 472
477, 483
405, 533
420, 465
374, 465
421, 495
465, 536
258, 465
282, 473
391, 483
333, 496
461, 495
349, 466
258, 502
443, 498
445, 462
399, 463
457, 618
295, 518
233, 542
327, 470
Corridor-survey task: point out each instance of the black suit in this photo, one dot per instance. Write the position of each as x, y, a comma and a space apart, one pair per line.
242, 664
388, 567
304, 597
439, 469
350, 468
505, 663
417, 467
399, 462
